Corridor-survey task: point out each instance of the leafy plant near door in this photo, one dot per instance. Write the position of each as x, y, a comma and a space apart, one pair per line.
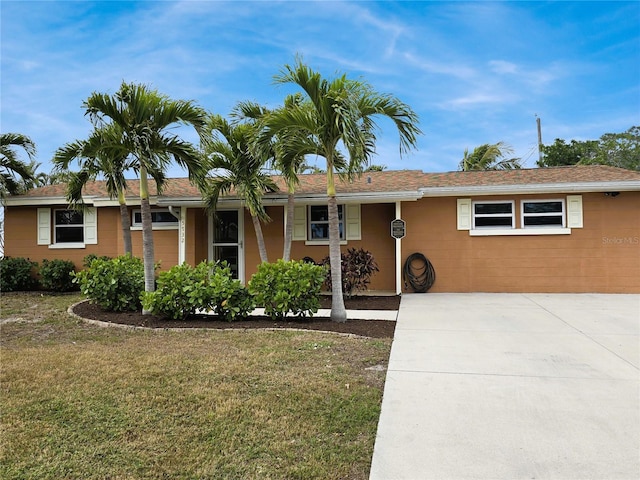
358, 266
184, 290
288, 287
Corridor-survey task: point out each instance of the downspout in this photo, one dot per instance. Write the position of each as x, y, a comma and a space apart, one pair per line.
182, 244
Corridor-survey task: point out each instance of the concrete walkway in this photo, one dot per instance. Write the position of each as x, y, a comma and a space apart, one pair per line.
512, 386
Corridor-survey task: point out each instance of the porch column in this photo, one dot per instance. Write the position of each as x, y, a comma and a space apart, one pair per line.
398, 253
182, 236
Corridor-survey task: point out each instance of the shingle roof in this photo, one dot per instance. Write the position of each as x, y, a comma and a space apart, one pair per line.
387, 181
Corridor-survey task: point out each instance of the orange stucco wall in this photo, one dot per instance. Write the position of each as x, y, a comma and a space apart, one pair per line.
21, 237
604, 256
375, 228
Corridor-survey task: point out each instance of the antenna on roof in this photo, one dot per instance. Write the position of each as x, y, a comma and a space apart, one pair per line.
539, 139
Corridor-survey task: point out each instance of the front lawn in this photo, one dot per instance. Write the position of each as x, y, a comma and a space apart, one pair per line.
80, 401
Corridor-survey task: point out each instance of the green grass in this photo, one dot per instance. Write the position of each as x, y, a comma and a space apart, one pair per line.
80, 401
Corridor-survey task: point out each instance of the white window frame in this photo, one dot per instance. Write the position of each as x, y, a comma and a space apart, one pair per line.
46, 228
524, 215
63, 226
174, 225
474, 216
343, 236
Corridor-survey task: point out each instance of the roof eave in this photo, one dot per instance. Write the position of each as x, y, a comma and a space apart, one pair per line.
582, 187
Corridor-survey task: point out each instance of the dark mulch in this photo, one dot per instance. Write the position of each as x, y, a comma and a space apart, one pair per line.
367, 328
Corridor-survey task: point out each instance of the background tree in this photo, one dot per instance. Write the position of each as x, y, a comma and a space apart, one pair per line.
561, 153
337, 115
489, 157
145, 118
614, 149
237, 167
16, 176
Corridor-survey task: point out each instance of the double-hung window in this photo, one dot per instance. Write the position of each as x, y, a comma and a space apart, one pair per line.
543, 213
493, 214
65, 228
68, 226
319, 222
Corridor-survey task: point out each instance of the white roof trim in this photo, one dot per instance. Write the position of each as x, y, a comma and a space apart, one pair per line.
583, 187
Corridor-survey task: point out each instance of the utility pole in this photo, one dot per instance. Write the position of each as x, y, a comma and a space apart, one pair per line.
539, 140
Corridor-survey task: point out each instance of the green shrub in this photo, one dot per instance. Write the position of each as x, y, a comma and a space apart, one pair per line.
86, 261
57, 275
284, 287
17, 274
114, 285
183, 290
358, 266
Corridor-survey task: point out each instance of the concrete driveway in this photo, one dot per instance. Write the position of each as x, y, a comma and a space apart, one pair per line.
512, 386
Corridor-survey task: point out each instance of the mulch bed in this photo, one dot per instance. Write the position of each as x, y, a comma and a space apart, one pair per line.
367, 328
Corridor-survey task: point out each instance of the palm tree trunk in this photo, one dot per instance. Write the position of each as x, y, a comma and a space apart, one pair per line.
261, 246
288, 231
147, 236
125, 221
338, 310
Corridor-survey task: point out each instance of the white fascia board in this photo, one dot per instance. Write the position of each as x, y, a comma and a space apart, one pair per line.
318, 198
40, 201
387, 197
528, 189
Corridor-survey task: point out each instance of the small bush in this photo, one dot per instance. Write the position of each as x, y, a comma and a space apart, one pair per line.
358, 266
17, 274
86, 261
183, 290
57, 275
115, 285
284, 287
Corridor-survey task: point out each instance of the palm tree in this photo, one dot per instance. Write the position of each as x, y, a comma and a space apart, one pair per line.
489, 157
236, 167
338, 114
15, 175
144, 118
93, 163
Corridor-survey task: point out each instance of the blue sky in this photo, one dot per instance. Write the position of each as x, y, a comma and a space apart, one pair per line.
475, 72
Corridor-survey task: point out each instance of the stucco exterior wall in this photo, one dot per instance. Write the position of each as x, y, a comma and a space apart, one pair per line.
376, 237
604, 256
21, 237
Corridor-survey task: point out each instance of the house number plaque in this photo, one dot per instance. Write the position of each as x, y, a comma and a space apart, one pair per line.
398, 228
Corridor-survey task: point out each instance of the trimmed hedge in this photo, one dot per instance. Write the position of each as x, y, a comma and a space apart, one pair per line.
288, 287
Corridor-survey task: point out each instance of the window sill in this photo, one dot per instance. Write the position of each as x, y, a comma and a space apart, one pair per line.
155, 227
61, 246
322, 242
518, 231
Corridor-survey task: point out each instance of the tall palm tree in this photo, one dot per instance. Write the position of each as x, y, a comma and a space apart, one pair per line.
95, 163
489, 157
15, 175
288, 151
338, 114
237, 167
144, 118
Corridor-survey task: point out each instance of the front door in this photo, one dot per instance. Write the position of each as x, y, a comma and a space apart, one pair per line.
227, 234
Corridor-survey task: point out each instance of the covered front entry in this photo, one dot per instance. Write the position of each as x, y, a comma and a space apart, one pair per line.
227, 240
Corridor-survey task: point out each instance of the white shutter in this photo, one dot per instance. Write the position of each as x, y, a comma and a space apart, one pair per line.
353, 222
44, 226
299, 222
90, 226
574, 211
464, 214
